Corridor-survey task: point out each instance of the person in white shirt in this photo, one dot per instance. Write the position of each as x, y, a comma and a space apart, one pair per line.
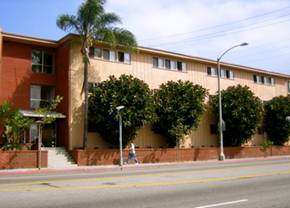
132, 154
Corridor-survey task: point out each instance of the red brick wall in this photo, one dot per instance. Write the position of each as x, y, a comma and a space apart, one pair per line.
17, 76
109, 157
21, 159
62, 79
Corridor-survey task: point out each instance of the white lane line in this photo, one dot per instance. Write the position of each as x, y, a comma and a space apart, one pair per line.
223, 203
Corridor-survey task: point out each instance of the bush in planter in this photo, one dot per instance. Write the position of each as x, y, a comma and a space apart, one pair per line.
178, 109
14, 125
128, 91
276, 125
242, 113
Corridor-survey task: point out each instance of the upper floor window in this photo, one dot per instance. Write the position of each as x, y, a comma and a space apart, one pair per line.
42, 61
288, 86
110, 55
228, 74
124, 57
41, 96
169, 64
263, 80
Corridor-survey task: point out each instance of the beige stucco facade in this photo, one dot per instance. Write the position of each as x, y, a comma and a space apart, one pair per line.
141, 67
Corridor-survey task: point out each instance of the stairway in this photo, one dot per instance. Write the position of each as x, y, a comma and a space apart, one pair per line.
58, 157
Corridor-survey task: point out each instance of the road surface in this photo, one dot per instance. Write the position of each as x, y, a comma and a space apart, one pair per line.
261, 183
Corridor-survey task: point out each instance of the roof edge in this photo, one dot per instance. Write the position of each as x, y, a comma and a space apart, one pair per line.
55, 43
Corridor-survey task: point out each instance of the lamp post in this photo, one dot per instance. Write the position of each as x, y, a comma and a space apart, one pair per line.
221, 122
39, 125
120, 134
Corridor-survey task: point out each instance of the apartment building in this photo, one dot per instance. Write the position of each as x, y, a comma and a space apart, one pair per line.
34, 70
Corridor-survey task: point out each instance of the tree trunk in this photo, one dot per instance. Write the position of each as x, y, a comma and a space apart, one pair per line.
85, 132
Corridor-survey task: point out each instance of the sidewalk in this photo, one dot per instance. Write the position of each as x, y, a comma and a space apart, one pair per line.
105, 168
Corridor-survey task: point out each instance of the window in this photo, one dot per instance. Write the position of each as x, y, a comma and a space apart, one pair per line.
110, 55
173, 65
288, 86
106, 54
42, 62
212, 71
121, 57
97, 53
124, 57
255, 78
160, 63
167, 64
263, 80
181, 66
268, 80
41, 96
259, 80
127, 58
184, 67
155, 62
272, 81
230, 74
223, 73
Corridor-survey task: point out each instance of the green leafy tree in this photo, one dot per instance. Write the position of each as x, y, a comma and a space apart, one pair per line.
178, 109
14, 125
48, 117
242, 113
276, 125
128, 91
92, 23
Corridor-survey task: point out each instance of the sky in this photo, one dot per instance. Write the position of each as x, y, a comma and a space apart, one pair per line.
202, 28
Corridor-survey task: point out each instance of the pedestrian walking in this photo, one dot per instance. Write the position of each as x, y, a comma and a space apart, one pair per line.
132, 154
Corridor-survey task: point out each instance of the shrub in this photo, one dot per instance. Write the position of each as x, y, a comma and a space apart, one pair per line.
128, 91
178, 109
14, 125
276, 125
242, 113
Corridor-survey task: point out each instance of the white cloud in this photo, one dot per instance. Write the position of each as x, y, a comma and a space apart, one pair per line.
172, 22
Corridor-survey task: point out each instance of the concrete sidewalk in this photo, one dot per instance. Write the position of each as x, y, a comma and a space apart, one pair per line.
104, 168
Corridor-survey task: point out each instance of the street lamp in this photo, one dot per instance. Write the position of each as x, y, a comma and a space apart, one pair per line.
221, 122
39, 125
288, 118
120, 133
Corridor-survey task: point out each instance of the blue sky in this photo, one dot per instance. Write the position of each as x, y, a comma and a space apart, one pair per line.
202, 28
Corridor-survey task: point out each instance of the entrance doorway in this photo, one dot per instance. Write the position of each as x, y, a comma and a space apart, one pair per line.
48, 134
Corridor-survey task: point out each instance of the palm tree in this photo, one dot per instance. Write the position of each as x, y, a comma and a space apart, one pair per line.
92, 24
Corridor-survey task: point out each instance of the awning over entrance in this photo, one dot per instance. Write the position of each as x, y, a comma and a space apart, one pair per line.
33, 114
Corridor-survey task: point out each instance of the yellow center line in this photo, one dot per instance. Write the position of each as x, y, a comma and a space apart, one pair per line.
148, 184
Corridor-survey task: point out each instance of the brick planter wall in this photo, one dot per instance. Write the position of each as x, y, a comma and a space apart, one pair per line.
111, 156
21, 159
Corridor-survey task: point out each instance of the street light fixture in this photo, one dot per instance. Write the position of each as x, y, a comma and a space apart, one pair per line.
120, 134
221, 122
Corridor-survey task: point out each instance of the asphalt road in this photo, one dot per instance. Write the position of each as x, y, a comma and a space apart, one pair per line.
263, 183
